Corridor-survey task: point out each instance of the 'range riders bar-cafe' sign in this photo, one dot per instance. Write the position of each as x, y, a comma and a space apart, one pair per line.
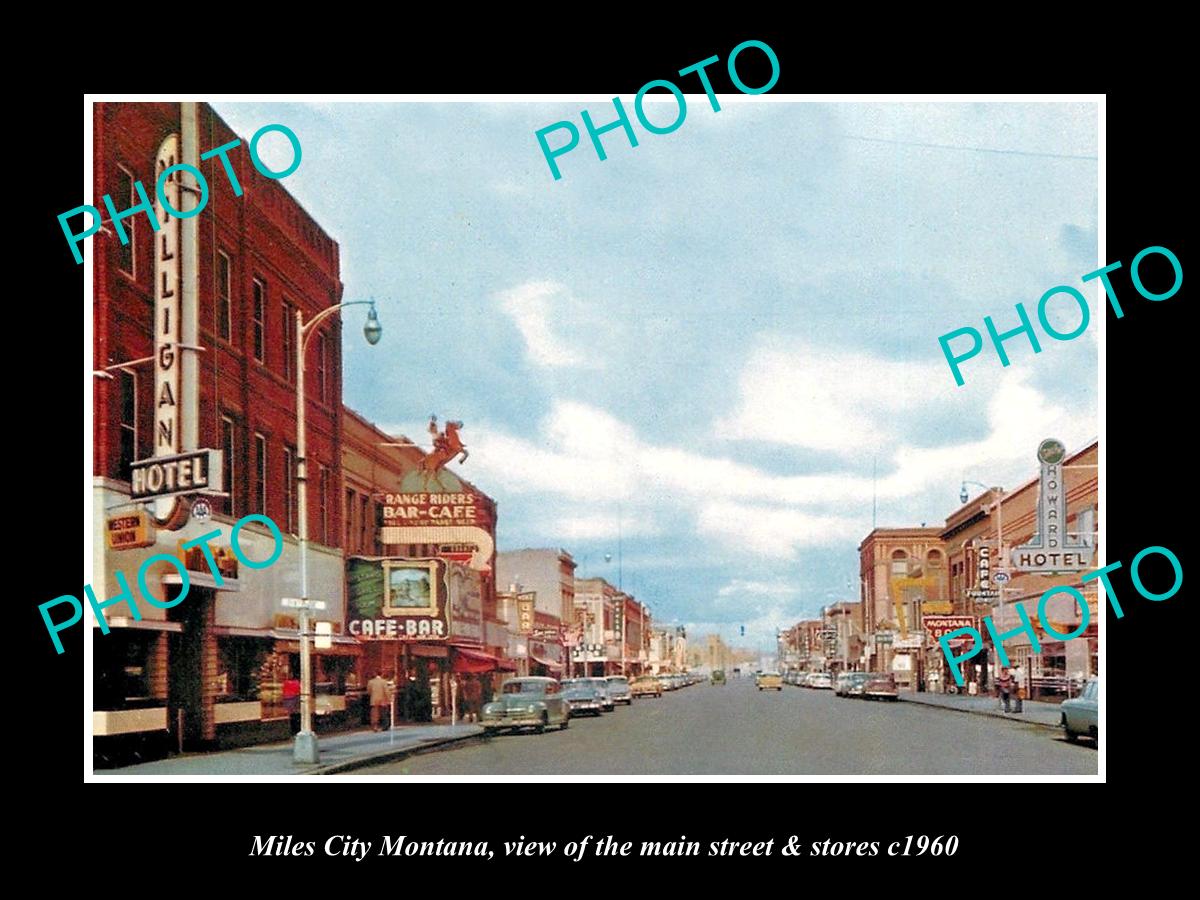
1052, 550
435, 509
397, 599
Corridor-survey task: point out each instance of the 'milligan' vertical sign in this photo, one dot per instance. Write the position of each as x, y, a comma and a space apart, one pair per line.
166, 303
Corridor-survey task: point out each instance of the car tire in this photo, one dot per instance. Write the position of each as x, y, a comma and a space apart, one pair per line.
1072, 737
565, 723
1095, 734
540, 728
490, 732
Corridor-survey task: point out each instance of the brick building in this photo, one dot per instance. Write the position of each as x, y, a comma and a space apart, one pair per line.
242, 266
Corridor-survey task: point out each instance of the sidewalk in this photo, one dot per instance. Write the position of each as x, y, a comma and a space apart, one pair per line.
339, 753
1037, 712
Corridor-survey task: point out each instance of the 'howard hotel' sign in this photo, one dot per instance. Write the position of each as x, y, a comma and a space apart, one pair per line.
1052, 550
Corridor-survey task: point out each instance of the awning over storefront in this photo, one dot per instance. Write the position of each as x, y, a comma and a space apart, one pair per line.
433, 651
288, 640
146, 624
548, 663
474, 661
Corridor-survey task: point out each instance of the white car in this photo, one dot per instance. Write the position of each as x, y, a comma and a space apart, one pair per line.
821, 680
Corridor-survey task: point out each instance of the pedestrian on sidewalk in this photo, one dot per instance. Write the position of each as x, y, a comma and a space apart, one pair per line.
1005, 685
377, 691
1019, 689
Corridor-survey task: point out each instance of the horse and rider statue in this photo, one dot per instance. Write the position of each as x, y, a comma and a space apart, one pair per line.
446, 446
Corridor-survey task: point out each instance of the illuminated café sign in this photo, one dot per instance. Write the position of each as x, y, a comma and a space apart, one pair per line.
525, 606
128, 532
436, 509
937, 626
985, 591
1052, 550
396, 599
193, 472
166, 300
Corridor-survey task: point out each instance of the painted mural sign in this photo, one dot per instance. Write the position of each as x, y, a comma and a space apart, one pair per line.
397, 599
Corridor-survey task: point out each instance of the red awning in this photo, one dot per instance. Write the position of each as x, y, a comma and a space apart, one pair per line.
548, 663
475, 661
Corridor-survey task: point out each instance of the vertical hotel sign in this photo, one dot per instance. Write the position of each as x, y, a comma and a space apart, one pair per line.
166, 302
1052, 550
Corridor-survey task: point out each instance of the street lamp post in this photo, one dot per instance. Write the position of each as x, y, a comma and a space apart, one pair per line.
305, 749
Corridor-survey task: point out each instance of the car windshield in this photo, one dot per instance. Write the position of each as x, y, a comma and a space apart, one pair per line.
524, 687
1092, 691
618, 680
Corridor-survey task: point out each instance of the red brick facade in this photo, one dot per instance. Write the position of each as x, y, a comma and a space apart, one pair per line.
267, 238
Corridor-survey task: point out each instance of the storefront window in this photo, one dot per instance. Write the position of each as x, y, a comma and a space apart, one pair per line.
122, 669
239, 663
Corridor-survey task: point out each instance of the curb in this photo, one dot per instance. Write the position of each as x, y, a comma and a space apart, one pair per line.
370, 759
994, 715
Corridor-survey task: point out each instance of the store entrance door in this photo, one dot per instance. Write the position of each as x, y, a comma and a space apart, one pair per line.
185, 668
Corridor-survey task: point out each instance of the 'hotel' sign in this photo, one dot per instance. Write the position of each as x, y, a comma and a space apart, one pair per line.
1051, 550
197, 471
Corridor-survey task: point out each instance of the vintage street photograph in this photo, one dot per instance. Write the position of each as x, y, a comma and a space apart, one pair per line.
526, 436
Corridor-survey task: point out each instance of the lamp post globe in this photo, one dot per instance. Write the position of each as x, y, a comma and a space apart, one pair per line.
372, 331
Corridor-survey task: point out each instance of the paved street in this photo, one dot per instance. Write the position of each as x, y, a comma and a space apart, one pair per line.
736, 730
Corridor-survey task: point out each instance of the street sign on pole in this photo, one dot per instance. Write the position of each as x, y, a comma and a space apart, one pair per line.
324, 638
297, 603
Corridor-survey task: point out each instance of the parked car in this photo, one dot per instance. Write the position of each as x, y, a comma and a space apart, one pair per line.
582, 696
880, 686
718, 676
821, 680
618, 690
1080, 714
769, 681
850, 683
602, 685
536, 703
645, 686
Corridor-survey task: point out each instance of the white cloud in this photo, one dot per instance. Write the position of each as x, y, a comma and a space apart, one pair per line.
531, 306
834, 400
774, 531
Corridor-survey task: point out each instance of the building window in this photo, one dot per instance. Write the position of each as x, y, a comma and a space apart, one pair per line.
324, 500
349, 514
259, 314
224, 282
260, 474
899, 563
364, 545
126, 253
934, 558
289, 489
288, 329
128, 404
322, 353
228, 450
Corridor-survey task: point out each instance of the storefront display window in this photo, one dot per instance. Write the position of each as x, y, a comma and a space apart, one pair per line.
239, 662
122, 669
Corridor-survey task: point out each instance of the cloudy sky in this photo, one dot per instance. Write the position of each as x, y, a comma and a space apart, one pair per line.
694, 354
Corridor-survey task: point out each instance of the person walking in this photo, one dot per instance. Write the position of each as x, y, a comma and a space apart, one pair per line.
377, 693
472, 699
1005, 685
1019, 689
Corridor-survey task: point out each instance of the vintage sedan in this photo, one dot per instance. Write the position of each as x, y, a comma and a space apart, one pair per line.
1080, 715
850, 684
583, 696
646, 686
618, 690
536, 703
880, 686
601, 685
769, 681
